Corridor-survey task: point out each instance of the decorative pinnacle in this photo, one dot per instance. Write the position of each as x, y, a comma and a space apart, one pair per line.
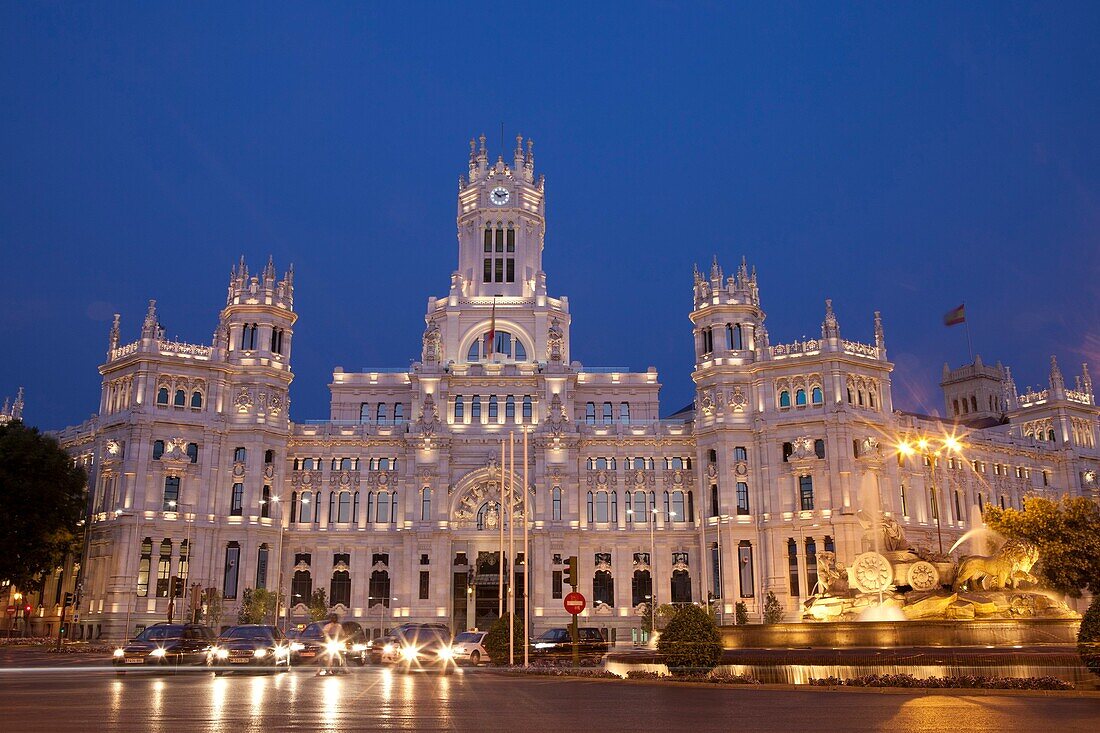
880, 336
149, 327
1056, 379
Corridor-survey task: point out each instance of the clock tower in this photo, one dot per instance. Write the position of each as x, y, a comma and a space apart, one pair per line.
501, 224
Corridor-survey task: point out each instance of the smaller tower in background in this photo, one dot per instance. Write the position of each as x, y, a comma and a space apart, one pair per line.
975, 391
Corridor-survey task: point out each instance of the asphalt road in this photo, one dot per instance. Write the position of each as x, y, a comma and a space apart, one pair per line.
71, 697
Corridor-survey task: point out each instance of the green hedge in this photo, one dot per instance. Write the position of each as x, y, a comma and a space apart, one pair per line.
690, 641
1088, 638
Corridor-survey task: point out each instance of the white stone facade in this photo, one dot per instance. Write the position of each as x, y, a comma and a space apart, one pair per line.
195, 443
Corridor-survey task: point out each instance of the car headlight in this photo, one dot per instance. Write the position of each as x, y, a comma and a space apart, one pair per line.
297, 646
120, 653
260, 653
334, 647
221, 653
359, 647
409, 653
543, 645
388, 649
281, 651
158, 652
445, 653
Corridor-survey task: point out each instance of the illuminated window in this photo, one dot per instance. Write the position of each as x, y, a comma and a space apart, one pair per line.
460, 409
527, 409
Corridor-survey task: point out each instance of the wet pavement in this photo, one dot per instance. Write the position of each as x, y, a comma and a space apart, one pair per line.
71, 695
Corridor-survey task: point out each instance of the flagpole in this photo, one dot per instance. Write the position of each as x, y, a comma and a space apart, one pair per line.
526, 550
511, 550
969, 343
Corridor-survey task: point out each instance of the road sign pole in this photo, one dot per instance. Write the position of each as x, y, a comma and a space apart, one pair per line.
576, 648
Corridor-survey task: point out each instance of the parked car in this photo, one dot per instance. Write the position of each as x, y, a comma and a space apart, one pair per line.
311, 644
378, 646
557, 643
468, 648
442, 629
249, 646
421, 648
166, 645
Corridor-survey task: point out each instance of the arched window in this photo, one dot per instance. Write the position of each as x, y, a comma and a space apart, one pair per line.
859, 395
492, 408
425, 504
398, 413
269, 456
528, 410
265, 503
784, 399
162, 396
603, 588
193, 452
305, 516
505, 346
1050, 435
681, 587
340, 588
800, 397
510, 409
849, 395
816, 396
734, 337
380, 413
460, 409
239, 455
180, 399
158, 449
624, 413
475, 408
301, 587
196, 399
607, 413
277, 340
555, 499
641, 587
871, 397
590, 413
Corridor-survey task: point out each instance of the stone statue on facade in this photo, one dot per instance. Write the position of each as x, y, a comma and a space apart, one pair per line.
432, 344
555, 342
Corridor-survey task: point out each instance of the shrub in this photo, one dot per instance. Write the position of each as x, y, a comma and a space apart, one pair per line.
496, 641
642, 674
964, 682
1088, 638
690, 641
773, 609
740, 613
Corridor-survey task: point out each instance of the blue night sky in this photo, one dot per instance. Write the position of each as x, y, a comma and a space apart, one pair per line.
895, 158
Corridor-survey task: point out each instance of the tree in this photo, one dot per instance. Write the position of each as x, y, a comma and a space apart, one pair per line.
773, 609
42, 505
665, 612
690, 641
496, 641
1088, 638
741, 613
256, 605
318, 605
1067, 533
211, 607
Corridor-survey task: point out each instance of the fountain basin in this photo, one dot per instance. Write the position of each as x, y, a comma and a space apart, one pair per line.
925, 633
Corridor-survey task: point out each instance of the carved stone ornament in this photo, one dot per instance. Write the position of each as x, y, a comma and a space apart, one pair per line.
301, 567
243, 401
706, 402
555, 340
340, 567
679, 566
275, 404
871, 573
602, 609
432, 347
555, 421
922, 576
802, 449
379, 567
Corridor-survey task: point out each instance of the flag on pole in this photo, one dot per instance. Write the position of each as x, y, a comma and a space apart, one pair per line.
491, 337
955, 316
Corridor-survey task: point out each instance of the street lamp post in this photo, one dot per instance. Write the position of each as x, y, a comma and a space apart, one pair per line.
930, 449
277, 500
173, 506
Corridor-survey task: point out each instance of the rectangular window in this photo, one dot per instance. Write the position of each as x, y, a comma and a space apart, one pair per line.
716, 571
500, 240
164, 572
236, 506
714, 505
488, 240
904, 502
487, 274
261, 567
232, 563
511, 240
182, 568
555, 510
511, 263
742, 498
792, 566
556, 584
144, 567
423, 585
958, 507
744, 564
806, 492
171, 493
740, 453
500, 269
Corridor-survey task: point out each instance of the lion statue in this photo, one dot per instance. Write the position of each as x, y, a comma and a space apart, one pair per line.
832, 577
1007, 566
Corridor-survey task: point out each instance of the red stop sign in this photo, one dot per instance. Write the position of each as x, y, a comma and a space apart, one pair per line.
574, 603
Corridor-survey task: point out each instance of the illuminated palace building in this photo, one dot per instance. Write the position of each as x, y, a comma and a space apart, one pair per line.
394, 506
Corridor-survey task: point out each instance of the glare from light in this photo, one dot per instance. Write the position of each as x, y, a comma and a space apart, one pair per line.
260, 653
445, 653
952, 443
922, 444
905, 448
158, 652
119, 653
409, 653
297, 646
221, 653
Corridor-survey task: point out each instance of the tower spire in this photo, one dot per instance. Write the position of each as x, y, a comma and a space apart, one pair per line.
149, 327
880, 335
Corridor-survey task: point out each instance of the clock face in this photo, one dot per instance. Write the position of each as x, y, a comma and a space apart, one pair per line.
499, 196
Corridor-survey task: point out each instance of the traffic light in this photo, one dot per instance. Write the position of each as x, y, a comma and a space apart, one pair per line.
68, 600
172, 583
569, 575
28, 608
